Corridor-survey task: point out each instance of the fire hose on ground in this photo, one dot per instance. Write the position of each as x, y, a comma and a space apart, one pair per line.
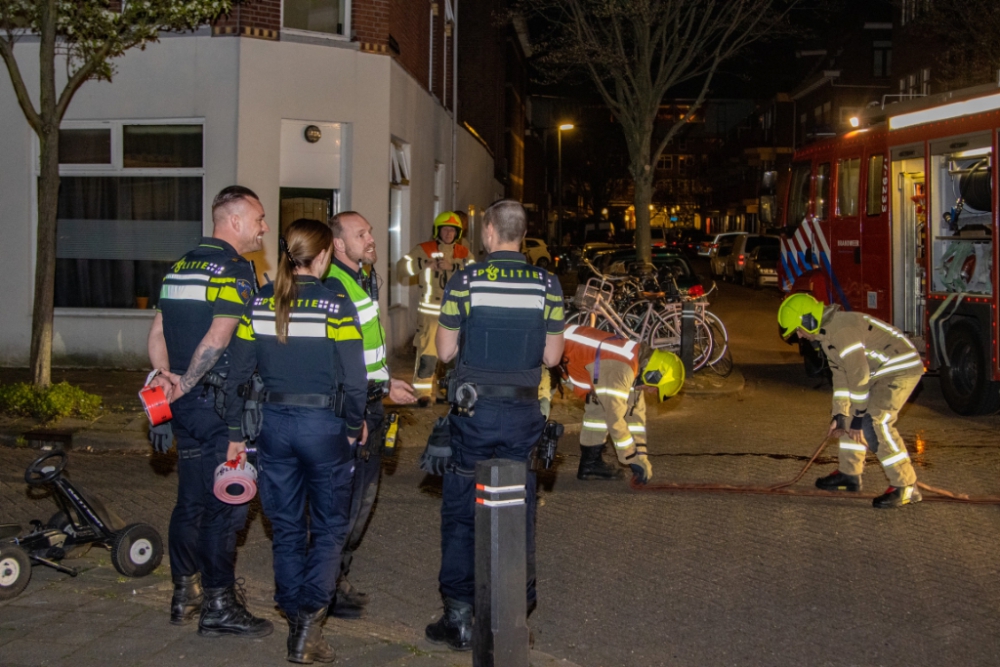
783, 488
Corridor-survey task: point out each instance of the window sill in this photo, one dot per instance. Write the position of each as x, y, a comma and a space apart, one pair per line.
319, 38
107, 313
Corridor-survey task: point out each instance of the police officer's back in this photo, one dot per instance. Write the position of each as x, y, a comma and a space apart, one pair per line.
509, 318
305, 342
200, 304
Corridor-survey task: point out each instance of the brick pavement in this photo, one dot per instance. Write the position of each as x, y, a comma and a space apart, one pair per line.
629, 578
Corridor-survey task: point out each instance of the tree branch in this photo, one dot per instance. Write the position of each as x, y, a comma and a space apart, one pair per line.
20, 89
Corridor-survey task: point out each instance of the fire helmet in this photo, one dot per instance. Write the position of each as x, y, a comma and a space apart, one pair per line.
665, 371
448, 219
800, 310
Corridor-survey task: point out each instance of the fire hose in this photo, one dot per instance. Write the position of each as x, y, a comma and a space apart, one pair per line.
783, 488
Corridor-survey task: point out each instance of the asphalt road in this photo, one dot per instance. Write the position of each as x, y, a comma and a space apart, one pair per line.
632, 578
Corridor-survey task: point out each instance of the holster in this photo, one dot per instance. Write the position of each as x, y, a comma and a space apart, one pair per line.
215, 382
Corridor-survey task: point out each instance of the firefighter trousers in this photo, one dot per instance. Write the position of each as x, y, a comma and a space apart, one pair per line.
423, 372
599, 417
886, 398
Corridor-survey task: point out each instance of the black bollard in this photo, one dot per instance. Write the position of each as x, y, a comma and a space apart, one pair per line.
500, 631
687, 337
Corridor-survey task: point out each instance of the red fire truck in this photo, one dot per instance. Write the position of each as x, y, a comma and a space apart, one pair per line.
898, 219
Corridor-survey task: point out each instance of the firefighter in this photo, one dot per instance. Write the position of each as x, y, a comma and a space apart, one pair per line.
875, 369
605, 369
432, 263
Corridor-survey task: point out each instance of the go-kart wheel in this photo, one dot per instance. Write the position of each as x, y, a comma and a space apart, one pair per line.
15, 571
42, 471
137, 550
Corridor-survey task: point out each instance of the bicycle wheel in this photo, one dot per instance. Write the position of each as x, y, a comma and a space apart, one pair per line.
721, 360
667, 336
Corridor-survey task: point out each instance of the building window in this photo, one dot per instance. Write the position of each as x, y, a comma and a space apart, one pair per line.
882, 58
925, 81
665, 162
438, 188
323, 16
131, 202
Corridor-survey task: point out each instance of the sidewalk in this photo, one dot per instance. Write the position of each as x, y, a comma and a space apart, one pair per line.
102, 619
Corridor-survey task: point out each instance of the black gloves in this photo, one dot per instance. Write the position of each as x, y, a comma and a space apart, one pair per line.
437, 455
161, 437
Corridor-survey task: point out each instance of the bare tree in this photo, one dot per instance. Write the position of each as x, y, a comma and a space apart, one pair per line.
84, 36
636, 51
964, 38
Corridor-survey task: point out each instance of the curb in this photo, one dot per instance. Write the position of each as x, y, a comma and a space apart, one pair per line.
707, 383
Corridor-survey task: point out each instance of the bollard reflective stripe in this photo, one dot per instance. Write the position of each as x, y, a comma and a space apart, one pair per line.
500, 496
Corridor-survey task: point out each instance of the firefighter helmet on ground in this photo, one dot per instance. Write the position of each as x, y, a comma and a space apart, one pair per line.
448, 219
665, 371
800, 310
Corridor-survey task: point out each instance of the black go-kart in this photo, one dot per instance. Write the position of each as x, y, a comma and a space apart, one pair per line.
81, 522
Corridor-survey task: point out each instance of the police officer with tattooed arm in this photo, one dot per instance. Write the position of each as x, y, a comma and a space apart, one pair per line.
201, 301
503, 319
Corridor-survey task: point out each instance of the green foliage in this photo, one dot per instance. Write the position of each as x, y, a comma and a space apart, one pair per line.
48, 403
93, 32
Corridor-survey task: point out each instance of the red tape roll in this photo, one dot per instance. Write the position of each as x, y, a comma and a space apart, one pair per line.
154, 401
230, 474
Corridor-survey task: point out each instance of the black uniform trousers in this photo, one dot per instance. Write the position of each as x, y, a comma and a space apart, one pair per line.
202, 536
367, 475
499, 428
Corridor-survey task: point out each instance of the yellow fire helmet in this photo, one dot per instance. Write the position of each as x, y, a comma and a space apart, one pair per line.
448, 219
800, 310
665, 371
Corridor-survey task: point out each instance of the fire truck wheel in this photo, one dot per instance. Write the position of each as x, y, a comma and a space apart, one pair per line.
966, 384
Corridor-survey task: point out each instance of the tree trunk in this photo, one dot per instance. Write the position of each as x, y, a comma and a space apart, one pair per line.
45, 259
643, 197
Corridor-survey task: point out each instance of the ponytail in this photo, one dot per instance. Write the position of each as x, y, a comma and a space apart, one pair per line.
303, 240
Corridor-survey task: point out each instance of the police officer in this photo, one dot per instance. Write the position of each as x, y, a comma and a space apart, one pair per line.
353, 250
200, 304
509, 318
432, 263
305, 342
609, 373
875, 369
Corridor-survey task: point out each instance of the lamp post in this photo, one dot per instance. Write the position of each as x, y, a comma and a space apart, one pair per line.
559, 204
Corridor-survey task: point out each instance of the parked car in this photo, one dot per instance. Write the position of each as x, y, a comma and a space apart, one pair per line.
713, 242
537, 252
762, 266
743, 246
624, 262
720, 253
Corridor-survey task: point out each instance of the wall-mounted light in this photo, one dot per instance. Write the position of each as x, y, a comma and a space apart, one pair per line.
855, 121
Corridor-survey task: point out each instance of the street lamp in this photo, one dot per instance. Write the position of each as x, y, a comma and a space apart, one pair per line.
559, 215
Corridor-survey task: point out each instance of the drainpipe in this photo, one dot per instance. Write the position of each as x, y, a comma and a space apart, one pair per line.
430, 51
454, 106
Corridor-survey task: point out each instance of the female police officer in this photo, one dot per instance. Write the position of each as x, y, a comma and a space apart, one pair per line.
306, 343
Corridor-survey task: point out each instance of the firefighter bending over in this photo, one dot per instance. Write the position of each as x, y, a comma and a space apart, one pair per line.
610, 373
875, 369
432, 263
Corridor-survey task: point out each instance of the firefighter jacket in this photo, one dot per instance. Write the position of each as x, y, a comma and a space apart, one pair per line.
342, 278
862, 349
603, 367
419, 263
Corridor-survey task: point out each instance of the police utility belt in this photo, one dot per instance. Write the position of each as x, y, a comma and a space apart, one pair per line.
377, 390
463, 396
321, 401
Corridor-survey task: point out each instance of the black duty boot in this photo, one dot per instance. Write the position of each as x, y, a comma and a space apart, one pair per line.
838, 481
897, 497
186, 602
306, 643
454, 628
592, 465
348, 602
224, 612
